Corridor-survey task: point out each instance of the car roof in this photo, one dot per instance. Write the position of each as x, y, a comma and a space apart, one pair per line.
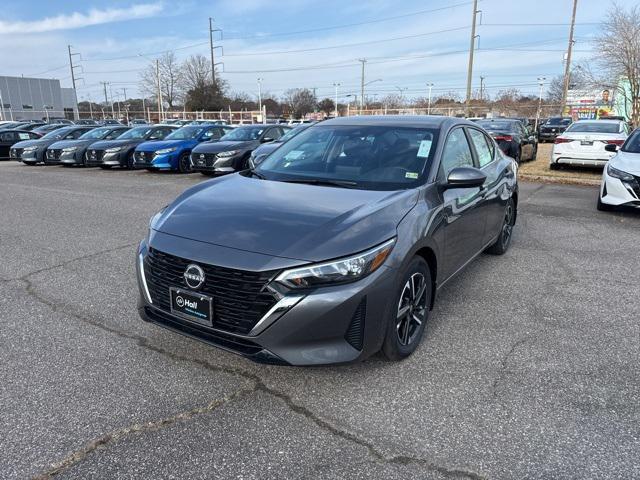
598, 121
423, 121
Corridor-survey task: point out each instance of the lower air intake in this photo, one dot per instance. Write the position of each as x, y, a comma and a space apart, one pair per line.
355, 332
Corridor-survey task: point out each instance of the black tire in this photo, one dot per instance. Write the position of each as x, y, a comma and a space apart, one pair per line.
207, 174
409, 315
604, 207
503, 242
130, 161
517, 156
184, 163
554, 166
106, 167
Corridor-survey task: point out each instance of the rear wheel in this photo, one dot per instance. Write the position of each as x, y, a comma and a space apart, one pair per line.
411, 313
504, 239
184, 163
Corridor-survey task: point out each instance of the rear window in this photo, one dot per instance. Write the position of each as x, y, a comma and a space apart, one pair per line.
594, 127
558, 121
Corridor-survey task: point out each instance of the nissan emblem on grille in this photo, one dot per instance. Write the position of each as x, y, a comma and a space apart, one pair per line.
194, 276
202, 156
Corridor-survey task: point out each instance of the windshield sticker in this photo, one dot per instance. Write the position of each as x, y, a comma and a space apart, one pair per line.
412, 175
425, 148
294, 155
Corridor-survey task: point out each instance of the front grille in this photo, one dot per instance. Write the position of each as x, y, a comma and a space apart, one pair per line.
94, 156
230, 342
240, 298
636, 186
355, 332
203, 159
54, 154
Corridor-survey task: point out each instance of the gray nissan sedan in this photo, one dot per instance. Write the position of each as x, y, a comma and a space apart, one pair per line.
334, 247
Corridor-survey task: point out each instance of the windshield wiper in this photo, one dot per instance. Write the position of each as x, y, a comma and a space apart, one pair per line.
316, 181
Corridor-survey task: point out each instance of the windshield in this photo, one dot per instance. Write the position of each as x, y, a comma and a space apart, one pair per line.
594, 127
632, 145
96, 133
563, 122
135, 133
185, 133
497, 126
293, 132
58, 133
243, 134
368, 157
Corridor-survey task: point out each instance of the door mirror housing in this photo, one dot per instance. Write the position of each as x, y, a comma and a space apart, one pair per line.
611, 147
465, 177
267, 139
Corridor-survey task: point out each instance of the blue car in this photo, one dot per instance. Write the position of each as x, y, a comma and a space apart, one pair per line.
173, 152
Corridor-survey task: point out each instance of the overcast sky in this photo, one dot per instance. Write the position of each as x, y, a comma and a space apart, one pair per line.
407, 43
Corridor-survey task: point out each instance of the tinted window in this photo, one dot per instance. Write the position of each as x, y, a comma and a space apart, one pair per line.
484, 148
456, 153
594, 127
274, 133
58, 133
632, 145
115, 134
9, 137
135, 133
500, 126
96, 133
185, 133
373, 157
244, 134
212, 134
74, 134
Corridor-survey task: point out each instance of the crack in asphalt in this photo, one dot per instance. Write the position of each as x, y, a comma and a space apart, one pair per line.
504, 364
259, 385
138, 428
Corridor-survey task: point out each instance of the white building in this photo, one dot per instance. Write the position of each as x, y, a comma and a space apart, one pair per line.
23, 98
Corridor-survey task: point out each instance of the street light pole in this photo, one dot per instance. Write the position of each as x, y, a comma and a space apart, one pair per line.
260, 97
430, 85
336, 85
541, 83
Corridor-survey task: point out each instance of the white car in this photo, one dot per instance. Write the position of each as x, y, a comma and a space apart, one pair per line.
621, 178
584, 141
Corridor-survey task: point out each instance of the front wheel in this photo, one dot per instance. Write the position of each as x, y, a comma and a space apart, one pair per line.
506, 232
411, 312
184, 163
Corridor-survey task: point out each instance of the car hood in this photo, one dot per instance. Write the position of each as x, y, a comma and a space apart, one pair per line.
160, 144
627, 162
72, 143
304, 222
216, 147
104, 144
34, 143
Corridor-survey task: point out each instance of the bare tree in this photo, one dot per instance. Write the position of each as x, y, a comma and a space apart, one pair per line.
577, 79
300, 101
171, 79
327, 106
618, 56
196, 71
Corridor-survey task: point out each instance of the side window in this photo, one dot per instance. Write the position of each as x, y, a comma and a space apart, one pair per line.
483, 148
456, 153
274, 133
114, 134
7, 137
212, 134
32, 136
75, 134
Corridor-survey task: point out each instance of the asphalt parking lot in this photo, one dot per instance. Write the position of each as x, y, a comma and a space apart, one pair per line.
529, 367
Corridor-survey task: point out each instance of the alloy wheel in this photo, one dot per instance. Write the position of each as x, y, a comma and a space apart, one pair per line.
412, 309
507, 228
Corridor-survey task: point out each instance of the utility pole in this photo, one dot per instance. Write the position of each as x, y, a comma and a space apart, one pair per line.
113, 112
213, 63
567, 67
472, 47
430, 85
482, 88
90, 107
336, 85
124, 92
363, 61
76, 113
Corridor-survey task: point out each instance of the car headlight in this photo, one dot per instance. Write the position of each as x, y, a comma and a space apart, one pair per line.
228, 153
29, 149
164, 151
113, 150
343, 270
69, 149
619, 174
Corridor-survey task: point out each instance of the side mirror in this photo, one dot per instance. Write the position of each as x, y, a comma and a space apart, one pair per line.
465, 177
267, 139
611, 147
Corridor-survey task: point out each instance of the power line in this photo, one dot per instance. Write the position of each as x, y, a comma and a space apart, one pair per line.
349, 25
345, 45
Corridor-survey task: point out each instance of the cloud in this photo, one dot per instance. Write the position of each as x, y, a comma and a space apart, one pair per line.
80, 20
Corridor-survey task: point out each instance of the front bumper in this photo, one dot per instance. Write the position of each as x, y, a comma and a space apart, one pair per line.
318, 329
614, 191
72, 158
213, 164
150, 160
